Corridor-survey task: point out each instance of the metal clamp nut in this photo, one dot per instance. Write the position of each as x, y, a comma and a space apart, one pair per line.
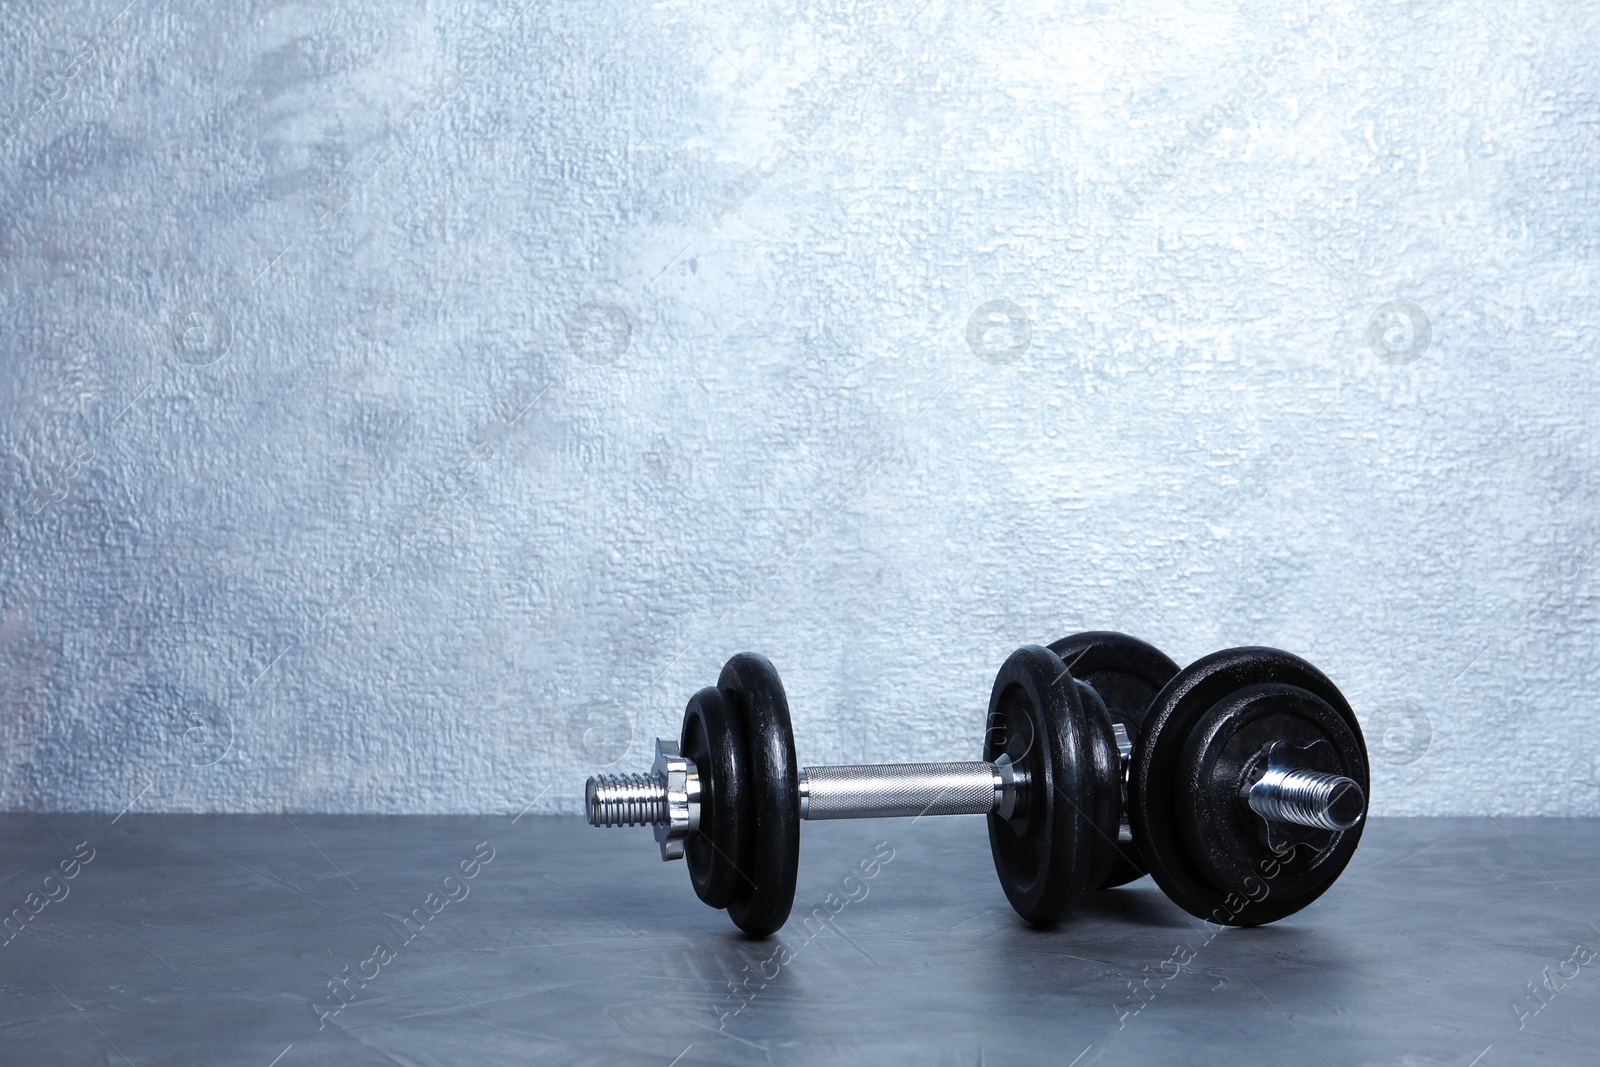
680, 786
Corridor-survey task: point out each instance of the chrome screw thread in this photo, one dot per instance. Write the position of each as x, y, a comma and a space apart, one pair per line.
626, 799
1308, 798
666, 798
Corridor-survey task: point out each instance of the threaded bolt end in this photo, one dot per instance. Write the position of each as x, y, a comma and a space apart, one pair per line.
626, 800
1308, 798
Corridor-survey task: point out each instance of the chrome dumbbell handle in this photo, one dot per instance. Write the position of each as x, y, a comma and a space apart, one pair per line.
668, 797
888, 790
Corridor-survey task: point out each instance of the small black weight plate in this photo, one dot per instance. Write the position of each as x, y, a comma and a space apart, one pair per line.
714, 739
1160, 799
1062, 838
751, 686
1127, 673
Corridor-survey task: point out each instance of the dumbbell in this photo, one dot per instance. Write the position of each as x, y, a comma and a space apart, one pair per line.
1066, 743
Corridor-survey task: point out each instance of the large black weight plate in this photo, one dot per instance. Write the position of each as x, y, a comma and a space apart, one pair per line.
714, 738
772, 856
1178, 803
1127, 673
1062, 838
1225, 839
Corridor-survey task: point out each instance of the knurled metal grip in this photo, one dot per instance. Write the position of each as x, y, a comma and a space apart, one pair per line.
903, 789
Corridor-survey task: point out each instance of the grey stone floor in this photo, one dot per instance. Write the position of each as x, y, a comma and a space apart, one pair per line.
213, 939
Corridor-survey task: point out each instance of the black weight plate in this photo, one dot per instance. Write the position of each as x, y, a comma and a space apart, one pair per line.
1158, 794
751, 686
1127, 673
714, 739
1062, 838
1227, 841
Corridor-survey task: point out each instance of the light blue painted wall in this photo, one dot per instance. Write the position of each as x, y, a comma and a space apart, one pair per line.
406, 407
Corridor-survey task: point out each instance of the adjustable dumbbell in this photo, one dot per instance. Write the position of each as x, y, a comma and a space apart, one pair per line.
1062, 751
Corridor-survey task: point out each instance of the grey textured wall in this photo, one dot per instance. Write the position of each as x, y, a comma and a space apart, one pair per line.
406, 407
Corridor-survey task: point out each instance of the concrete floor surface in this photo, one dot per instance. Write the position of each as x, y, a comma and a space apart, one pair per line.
539, 940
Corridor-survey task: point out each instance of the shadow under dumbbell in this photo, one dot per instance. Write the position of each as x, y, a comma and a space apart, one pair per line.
1140, 902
